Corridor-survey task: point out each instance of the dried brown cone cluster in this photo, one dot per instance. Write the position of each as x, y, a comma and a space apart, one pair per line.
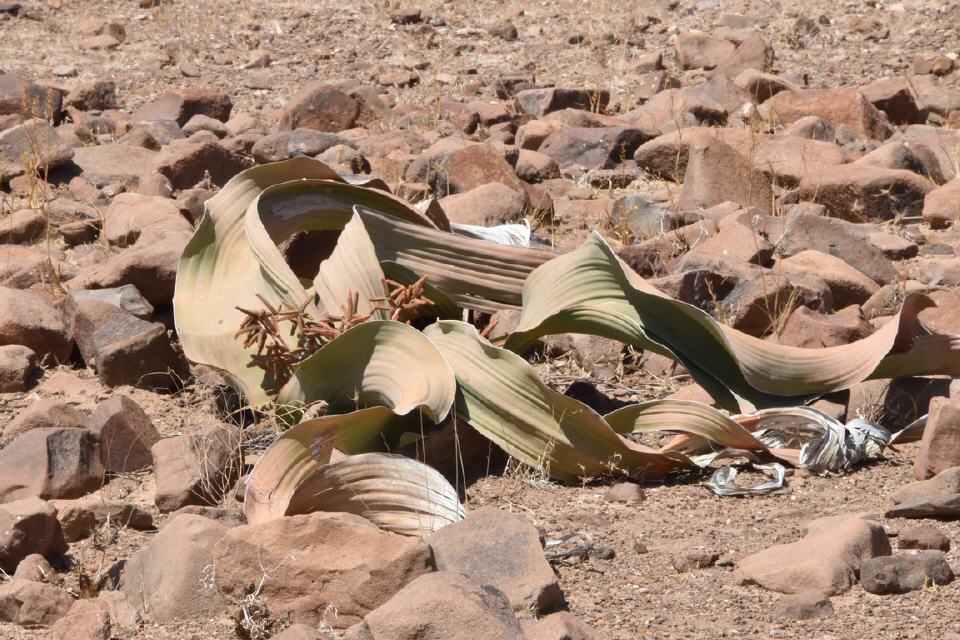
274, 353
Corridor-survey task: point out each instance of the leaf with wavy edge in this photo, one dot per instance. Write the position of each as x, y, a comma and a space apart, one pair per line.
370, 365
352, 270
474, 273
299, 452
502, 397
589, 291
232, 257
701, 427
396, 493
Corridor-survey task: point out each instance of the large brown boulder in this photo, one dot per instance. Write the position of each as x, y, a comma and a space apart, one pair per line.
129, 214
718, 173
182, 104
330, 107
126, 434
50, 463
28, 526
940, 445
31, 147
941, 206
150, 266
848, 285
495, 547
24, 97
197, 468
836, 106
29, 320
187, 162
319, 560
486, 205
18, 365
540, 102
441, 606
592, 148
29, 603
166, 579
896, 98
865, 193
44, 413
826, 559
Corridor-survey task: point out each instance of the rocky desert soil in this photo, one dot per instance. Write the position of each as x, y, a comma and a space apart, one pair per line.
790, 166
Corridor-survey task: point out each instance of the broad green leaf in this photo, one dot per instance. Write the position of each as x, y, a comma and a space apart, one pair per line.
376, 363
299, 452
502, 397
589, 291
352, 270
397, 493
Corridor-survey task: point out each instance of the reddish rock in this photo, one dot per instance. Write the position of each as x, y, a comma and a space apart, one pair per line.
896, 98
113, 163
18, 365
43, 102
540, 102
837, 106
87, 619
923, 537
738, 241
591, 148
693, 560
182, 104
284, 145
320, 560
848, 285
125, 349
34, 567
503, 549
22, 226
29, 320
945, 482
863, 193
31, 147
762, 86
28, 603
717, 173
940, 446
165, 579
197, 468
560, 626
28, 526
50, 463
329, 107
838, 238
151, 267
130, 213
186, 163
126, 434
533, 166
808, 605
95, 95
812, 330
80, 518
486, 205
466, 168
44, 413
442, 605
699, 50
826, 559
941, 206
